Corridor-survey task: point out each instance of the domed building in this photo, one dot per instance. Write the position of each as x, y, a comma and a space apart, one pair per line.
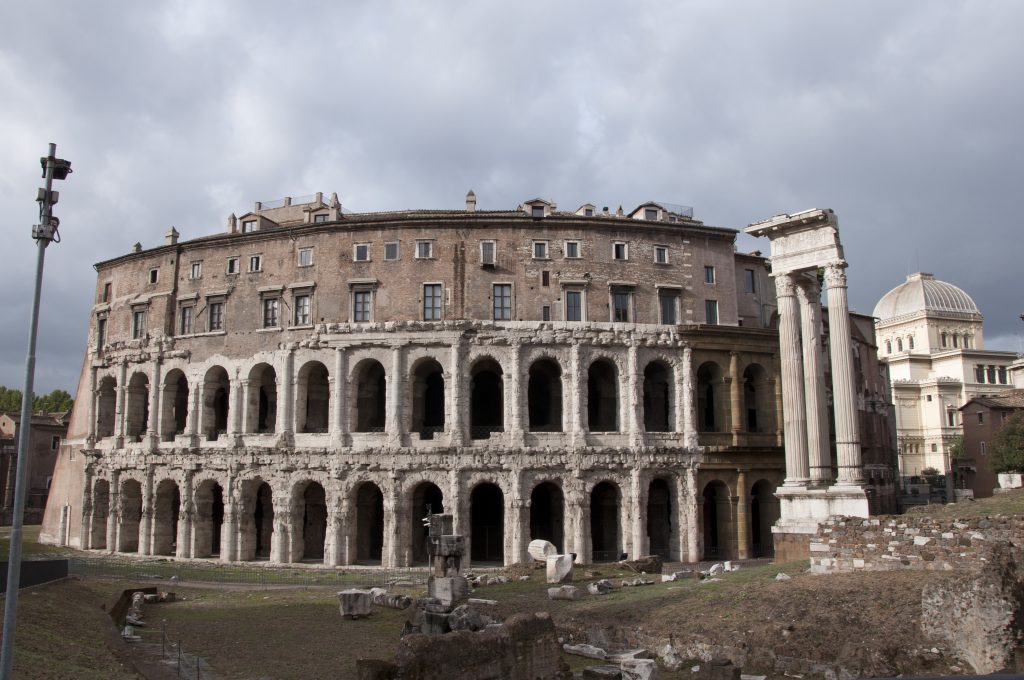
930, 333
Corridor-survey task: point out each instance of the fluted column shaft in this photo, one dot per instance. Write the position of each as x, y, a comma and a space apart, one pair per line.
455, 389
742, 516
689, 408
809, 294
797, 473
735, 398
843, 398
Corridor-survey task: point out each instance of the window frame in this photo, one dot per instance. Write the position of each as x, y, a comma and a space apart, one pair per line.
249, 226
297, 296
436, 311
711, 310
624, 245
567, 308
710, 275
565, 250
256, 260
661, 250
398, 251
428, 243
356, 314
307, 250
544, 246
494, 252
671, 296
270, 307
154, 276
195, 270
139, 322
215, 314
320, 218
506, 310
749, 281
616, 294
365, 246
187, 313
234, 266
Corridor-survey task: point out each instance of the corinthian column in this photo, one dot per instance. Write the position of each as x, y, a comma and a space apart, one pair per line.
809, 294
792, 382
843, 398
686, 397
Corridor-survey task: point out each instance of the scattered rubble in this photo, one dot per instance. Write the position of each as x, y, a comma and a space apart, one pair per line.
564, 593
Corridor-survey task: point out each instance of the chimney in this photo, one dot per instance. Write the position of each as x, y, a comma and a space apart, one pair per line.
605, 211
335, 203
470, 201
172, 236
259, 206
319, 197
619, 212
232, 224
137, 248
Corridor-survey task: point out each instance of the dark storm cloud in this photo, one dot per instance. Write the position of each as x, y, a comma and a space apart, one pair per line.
904, 117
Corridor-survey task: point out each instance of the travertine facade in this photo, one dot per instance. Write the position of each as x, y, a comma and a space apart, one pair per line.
305, 385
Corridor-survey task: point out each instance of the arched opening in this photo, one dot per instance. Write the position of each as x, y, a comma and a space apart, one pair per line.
216, 388
426, 499
544, 396
716, 517
369, 523
106, 405
261, 399
603, 396
764, 512
710, 400
547, 514
605, 542
659, 517
137, 409
487, 522
166, 505
130, 516
428, 399
369, 396
256, 521
658, 415
314, 521
174, 405
313, 398
206, 532
757, 399
487, 399
100, 512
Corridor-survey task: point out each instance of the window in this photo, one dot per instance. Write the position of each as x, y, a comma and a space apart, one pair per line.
711, 312
888, 346
574, 305
248, 226
54, 442
270, 308
572, 249
537, 211
545, 313
899, 344
991, 374
620, 251
305, 257
545, 278
502, 301
391, 251
154, 275
107, 287
951, 418
651, 214
138, 323
983, 448
424, 250
101, 333
188, 316
979, 374
956, 340
320, 219
233, 265
361, 252
749, 281
487, 253
540, 250
303, 308
944, 339
929, 397
668, 304
432, 302
910, 342
362, 305
255, 263
195, 270
215, 311
1002, 375
981, 418
660, 254
935, 448
588, 212
621, 302
709, 274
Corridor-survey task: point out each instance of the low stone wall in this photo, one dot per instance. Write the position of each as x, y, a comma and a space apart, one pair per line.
848, 544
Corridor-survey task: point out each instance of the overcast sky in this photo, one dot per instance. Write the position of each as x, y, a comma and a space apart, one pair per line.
904, 117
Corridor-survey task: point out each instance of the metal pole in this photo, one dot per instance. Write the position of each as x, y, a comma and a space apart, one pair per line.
43, 234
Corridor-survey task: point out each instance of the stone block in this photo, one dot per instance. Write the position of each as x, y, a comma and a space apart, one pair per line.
559, 568
602, 673
589, 651
716, 569
602, 587
639, 669
922, 540
465, 617
541, 550
564, 593
449, 591
441, 525
355, 603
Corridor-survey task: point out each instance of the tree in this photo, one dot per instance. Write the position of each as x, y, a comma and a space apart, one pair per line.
956, 447
1008, 445
10, 400
57, 401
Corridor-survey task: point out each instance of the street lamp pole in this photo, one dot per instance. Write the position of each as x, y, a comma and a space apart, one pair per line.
43, 233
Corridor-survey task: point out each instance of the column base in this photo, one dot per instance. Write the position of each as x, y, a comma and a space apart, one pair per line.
803, 508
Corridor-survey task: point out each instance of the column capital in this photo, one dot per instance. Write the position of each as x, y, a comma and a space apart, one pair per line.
785, 285
808, 289
835, 275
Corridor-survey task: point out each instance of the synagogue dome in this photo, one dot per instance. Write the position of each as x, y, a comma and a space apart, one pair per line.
922, 292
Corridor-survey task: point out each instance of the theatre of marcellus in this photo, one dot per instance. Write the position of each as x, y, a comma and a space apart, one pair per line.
307, 384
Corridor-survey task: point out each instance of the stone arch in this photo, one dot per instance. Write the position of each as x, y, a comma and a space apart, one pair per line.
130, 516
106, 407
544, 396
487, 523
261, 399
758, 399
547, 514
208, 499
603, 396
487, 398
711, 398
717, 520
660, 519
425, 498
174, 405
100, 513
309, 500
313, 398
369, 396
605, 529
369, 523
659, 397
166, 514
216, 400
428, 398
256, 520
764, 512
136, 422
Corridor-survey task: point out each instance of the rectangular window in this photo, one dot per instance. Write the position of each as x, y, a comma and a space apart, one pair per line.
424, 250
620, 305
502, 301
651, 214
320, 219
138, 323
1002, 375
54, 442
540, 250
709, 274
620, 251
748, 281
215, 310
101, 333
573, 305
991, 375
487, 253
305, 257
669, 306
154, 275
391, 251
255, 263
951, 418
107, 288
711, 312
979, 374
188, 316
572, 249
361, 305
983, 448
195, 270
248, 226
545, 278
233, 265
545, 313
928, 397
981, 418
935, 448
432, 302
661, 254
270, 308
537, 211
361, 252
303, 314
